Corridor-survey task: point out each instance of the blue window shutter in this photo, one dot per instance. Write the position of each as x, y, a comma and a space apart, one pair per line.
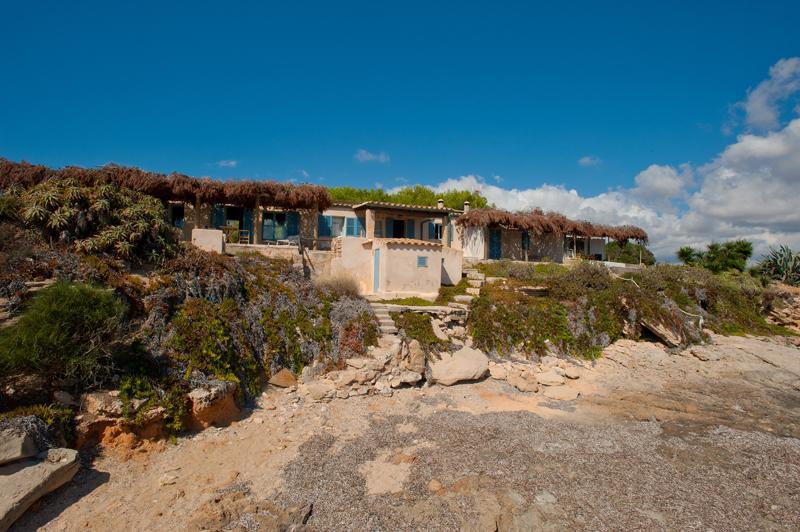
362, 227
217, 216
409, 228
389, 228
431, 231
422, 261
292, 223
324, 223
350, 227
449, 233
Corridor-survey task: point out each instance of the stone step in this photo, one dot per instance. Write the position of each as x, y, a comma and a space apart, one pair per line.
463, 298
475, 283
476, 276
459, 306
389, 322
474, 291
386, 329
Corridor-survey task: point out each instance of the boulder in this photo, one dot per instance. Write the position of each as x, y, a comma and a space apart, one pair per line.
573, 372
64, 398
550, 378
319, 389
213, 404
497, 371
405, 377
102, 403
27, 481
16, 445
466, 364
283, 379
415, 361
438, 332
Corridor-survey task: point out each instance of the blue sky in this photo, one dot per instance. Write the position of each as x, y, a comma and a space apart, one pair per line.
518, 90
514, 93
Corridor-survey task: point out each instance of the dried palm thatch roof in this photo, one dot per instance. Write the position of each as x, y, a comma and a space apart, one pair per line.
539, 222
177, 187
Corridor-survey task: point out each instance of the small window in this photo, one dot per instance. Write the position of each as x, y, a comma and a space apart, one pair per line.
422, 261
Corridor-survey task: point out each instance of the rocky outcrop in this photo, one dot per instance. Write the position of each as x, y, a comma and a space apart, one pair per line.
213, 404
466, 364
283, 379
552, 373
16, 445
28, 477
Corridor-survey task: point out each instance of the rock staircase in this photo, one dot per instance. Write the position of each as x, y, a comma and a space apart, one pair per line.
476, 280
385, 322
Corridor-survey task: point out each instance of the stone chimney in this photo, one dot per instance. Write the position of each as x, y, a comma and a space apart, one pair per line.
466, 207
440, 203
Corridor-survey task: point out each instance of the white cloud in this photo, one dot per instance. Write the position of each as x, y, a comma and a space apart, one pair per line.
762, 103
589, 160
361, 155
749, 191
227, 163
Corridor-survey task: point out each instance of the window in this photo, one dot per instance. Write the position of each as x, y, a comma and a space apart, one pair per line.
337, 225
422, 261
177, 214
279, 225
332, 226
354, 227
434, 231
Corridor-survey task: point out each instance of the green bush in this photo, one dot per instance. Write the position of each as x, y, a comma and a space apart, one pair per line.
629, 253
521, 271
418, 327
718, 257
447, 293
60, 421
67, 331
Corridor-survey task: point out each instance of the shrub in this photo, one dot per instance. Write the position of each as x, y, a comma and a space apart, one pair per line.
413, 301
418, 327
59, 423
522, 271
718, 257
628, 253
97, 219
781, 264
68, 331
447, 293
338, 285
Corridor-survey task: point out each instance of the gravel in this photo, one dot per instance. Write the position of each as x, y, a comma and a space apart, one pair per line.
621, 475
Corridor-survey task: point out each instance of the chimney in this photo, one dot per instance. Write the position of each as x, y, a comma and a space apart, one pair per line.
440, 203
466, 207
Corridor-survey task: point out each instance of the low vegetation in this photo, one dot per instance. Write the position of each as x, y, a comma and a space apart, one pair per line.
418, 195
447, 293
520, 271
587, 308
418, 327
629, 253
781, 264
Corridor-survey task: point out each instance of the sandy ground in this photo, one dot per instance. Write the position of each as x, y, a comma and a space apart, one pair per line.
703, 439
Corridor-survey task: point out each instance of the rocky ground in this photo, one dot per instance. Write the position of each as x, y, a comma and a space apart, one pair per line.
645, 439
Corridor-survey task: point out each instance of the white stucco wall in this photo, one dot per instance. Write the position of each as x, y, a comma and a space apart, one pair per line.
209, 240
473, 242
452, 263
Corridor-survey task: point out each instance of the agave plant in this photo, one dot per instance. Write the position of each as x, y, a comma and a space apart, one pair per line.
781, 264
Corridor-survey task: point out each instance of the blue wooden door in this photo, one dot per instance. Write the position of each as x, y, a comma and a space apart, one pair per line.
376, 276
495, 243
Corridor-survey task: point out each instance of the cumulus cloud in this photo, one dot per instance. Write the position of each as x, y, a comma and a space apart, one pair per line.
227, 163
361, 155
762, 106
749, 191
589, 160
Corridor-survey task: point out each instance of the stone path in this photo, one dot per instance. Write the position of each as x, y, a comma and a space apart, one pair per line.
385, 321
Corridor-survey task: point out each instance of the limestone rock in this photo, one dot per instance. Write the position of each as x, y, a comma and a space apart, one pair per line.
415, 360
64, 398
466, 364
283, 379
405, 377
27, 481
524, 381
16, 445
572, 372
497, 371
550, 378
102, 403
320, 389
438, 332
213, 404
561, 393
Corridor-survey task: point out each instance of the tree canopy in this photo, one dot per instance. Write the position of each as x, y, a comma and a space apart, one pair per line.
718, 257
416, 195
629, 253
